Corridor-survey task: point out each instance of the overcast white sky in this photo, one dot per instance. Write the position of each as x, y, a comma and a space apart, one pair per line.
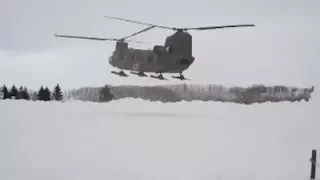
283, 48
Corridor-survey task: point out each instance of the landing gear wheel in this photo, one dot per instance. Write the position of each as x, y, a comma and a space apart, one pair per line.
181, 77
140, 74
120, 73
160, 77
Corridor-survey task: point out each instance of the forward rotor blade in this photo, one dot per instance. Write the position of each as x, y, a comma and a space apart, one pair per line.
96, 38
146, 29
88, 38
138, 22
133, 41
220, 27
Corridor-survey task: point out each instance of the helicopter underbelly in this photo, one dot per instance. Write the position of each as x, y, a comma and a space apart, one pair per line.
153, 68
160, 65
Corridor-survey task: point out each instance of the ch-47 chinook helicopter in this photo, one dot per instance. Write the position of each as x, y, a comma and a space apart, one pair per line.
175, 56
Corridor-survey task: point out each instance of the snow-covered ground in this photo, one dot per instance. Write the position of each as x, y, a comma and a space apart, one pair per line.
140, 140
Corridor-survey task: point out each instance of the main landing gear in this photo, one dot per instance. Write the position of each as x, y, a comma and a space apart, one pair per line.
142, 74
160, 77
181, 77
120, 73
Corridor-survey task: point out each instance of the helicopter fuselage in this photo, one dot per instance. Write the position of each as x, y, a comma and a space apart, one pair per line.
174, 57
150, 61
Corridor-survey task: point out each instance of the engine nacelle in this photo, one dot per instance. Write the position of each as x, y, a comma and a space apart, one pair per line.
162, 49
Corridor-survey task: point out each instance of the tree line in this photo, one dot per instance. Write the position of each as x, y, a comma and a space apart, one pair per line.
43, 94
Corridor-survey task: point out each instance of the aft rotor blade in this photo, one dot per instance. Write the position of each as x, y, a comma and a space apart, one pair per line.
183, 29
146, 29
84, 37
220, 27
138, 22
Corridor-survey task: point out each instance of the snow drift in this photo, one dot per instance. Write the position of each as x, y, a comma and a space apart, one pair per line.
141, 140
194, 92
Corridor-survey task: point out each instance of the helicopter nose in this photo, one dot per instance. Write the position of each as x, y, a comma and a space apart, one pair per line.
191, 60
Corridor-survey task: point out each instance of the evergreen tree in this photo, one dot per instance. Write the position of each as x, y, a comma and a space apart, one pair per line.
47, 94
1, 92
14, 92
6, 94
57, 93
20, 93
41, 94
25, 94
105, 94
